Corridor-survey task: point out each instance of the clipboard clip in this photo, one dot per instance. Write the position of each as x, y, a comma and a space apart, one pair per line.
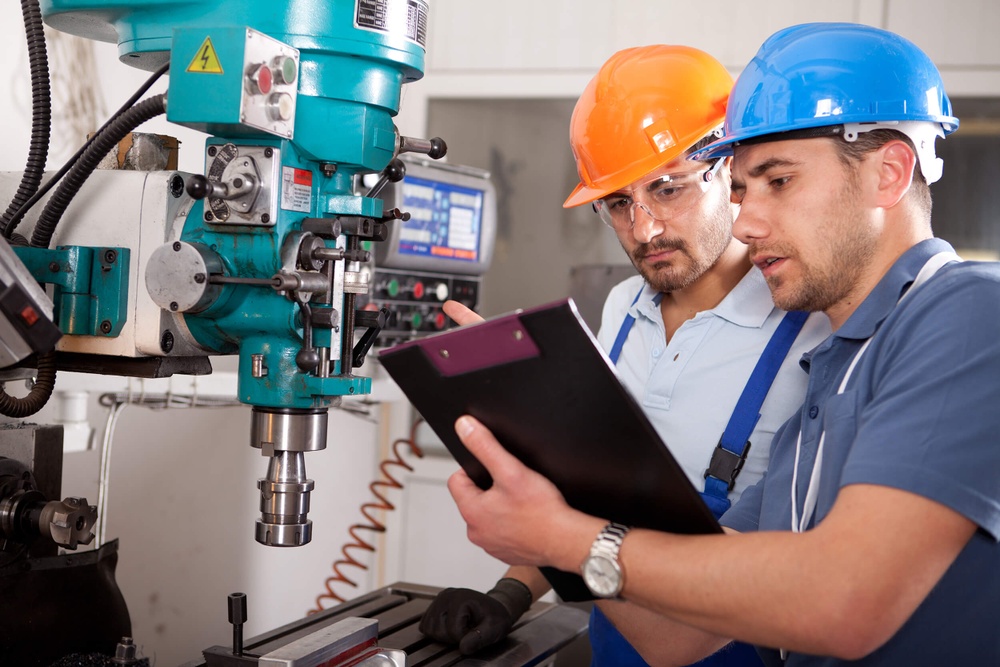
479, 346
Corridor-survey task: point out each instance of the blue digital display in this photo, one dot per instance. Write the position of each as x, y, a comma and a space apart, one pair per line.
445, 220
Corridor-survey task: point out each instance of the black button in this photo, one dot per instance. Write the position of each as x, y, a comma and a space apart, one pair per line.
813, 411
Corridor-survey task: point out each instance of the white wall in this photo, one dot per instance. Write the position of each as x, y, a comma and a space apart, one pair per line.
531, 49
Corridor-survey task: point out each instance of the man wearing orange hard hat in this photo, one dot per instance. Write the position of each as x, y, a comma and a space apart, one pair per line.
695, 336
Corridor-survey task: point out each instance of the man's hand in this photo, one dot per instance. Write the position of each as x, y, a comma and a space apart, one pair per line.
522, 519
460, 314
474, 620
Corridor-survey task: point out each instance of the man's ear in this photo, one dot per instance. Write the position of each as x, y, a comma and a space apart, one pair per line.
895, 162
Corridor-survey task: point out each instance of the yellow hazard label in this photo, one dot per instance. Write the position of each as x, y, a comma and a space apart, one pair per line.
206, 61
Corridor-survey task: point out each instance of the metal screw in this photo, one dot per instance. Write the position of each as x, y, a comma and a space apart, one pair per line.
329, 169
177, 246
54, 267
199, 278
518, 334
166, 342
237, 182
173, 305
268, 152
110, 256
444, 353
106, 326
212, 150
265, 218
208, 216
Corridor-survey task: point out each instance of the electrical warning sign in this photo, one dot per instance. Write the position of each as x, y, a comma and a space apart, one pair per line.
206, 61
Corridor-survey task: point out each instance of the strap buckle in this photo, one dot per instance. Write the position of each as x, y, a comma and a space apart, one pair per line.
726, 465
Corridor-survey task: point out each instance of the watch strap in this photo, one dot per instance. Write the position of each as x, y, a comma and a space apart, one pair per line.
609, 540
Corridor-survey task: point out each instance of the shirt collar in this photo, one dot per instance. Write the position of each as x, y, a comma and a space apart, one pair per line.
865, 321
748, 304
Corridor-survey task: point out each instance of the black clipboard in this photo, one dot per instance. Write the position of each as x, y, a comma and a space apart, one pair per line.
541, 382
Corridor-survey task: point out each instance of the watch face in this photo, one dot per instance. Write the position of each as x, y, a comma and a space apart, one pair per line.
603, 576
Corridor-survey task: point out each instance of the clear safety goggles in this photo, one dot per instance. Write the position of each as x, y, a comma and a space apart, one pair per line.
662, 197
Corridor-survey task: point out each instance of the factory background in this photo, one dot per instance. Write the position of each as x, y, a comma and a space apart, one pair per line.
499, 87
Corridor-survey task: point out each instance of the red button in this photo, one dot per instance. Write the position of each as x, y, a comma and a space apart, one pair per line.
29, 315
264, 79
439, 321
418, 290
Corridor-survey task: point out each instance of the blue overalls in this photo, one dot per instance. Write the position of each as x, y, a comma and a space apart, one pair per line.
608, 647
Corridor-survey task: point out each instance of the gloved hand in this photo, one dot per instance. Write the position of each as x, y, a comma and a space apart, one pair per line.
474, 620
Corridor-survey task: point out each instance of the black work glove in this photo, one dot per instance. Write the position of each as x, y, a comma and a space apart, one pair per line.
474, 620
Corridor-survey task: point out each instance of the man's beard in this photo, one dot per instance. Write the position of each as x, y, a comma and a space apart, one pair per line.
684, 268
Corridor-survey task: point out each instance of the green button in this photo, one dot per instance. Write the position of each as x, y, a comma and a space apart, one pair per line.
417, 319
393, 287
288, 70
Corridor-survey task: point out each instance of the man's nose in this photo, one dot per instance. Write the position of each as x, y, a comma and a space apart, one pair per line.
748, 225
645, 227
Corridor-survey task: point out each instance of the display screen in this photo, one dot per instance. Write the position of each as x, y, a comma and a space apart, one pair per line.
445, 220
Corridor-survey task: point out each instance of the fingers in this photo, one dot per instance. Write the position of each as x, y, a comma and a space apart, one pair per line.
460, 313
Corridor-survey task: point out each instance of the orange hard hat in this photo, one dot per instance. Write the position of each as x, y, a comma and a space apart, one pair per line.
647, 106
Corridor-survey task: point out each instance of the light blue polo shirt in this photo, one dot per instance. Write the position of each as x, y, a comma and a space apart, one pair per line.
689, 387
921, 413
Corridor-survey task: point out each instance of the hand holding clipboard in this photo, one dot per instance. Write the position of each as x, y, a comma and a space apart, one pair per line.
540, 382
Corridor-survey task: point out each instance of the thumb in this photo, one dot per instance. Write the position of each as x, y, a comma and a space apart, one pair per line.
482, 444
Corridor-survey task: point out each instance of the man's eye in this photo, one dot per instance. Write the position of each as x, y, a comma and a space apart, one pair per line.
780, 182
667, 192
617, 204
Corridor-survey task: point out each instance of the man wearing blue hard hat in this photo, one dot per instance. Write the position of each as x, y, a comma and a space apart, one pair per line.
873, 537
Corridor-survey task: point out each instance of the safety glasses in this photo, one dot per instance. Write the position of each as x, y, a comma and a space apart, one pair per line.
661, 197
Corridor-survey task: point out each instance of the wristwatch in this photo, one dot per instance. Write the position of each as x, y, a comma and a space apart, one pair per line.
601, 570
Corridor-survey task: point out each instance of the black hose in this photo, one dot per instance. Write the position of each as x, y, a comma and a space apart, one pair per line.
103, 142
45, 382
41, 112
16, 219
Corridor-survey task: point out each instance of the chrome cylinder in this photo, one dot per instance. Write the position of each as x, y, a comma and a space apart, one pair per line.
284, 435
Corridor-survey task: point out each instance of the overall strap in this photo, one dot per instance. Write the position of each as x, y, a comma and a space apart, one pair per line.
626, 327
731, 453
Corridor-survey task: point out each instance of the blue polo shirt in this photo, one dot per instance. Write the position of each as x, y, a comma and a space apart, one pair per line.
921, 413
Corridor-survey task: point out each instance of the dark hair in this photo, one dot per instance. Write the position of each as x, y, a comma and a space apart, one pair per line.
853, 152
701, 143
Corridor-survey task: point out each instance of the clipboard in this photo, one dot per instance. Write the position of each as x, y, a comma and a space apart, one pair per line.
539, 380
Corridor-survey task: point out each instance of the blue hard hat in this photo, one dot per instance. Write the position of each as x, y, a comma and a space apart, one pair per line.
818, 75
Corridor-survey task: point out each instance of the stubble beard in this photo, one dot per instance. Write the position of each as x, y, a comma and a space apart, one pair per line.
685, 268
848, 250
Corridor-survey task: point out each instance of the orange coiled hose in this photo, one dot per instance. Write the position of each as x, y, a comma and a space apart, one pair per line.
378, 488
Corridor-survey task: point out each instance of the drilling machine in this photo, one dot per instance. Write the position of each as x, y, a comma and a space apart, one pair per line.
259, 256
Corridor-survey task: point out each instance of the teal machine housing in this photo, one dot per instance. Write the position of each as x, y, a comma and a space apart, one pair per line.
298, 97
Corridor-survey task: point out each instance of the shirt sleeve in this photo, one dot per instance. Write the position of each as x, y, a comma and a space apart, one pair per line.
930, 422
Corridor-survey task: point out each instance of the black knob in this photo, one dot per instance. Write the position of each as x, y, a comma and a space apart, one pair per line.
307, 359
395, 170
438, 149
198, 186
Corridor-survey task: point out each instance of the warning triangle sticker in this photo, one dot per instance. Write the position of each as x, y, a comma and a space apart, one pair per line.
206, 61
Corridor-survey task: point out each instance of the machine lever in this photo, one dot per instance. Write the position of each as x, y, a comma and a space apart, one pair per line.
200, 187
395, 214
434, 148
393, 173
375, 321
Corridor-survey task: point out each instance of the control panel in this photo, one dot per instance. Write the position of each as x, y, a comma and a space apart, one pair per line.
414, 300
438, 247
